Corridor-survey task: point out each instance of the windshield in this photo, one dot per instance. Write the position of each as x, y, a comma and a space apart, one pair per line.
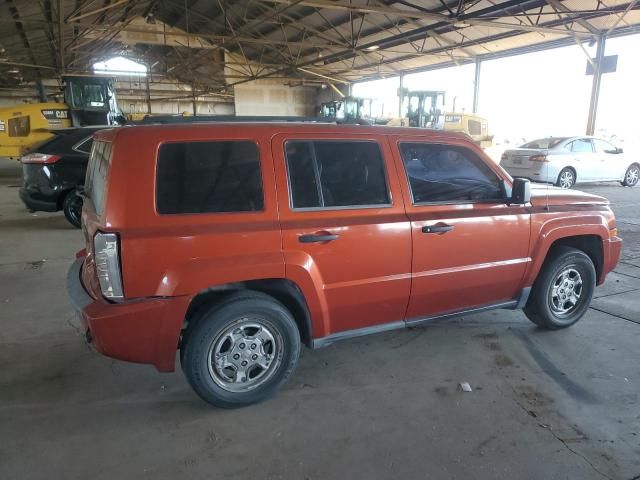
88, 95
544, 143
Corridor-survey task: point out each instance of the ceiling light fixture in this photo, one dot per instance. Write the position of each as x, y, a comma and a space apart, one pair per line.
373, 47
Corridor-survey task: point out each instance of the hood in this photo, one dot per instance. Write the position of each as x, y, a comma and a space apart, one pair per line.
542, 195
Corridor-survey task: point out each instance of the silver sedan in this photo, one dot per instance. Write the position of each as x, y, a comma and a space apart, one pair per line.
564, 161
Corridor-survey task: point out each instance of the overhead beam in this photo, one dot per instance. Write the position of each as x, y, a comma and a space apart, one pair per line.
221, 39
437, 17
469, 43
559, 6
75, 18
621, 16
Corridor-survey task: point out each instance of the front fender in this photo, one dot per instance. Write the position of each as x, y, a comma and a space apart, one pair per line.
554, 229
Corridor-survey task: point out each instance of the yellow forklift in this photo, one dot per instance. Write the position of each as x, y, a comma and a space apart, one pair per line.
88, 100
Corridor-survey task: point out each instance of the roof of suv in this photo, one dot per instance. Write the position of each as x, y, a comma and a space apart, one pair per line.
275, 128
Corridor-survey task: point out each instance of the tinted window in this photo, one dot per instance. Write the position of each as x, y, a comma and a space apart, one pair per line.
336, 174
447, 173
582, 145
96, 180
603, 146
209, 177
544, 143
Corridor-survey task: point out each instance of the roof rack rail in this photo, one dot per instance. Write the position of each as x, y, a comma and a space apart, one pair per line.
227, 118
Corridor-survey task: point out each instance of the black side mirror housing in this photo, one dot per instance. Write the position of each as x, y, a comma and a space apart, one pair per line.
520, 191
619, 150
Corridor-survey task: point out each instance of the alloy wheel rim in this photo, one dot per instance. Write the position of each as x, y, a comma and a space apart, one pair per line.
244, 355
566, 179
632, 175
565, 292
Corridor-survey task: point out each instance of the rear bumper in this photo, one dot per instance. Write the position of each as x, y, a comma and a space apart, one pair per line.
612, 249
141, 331
34, 201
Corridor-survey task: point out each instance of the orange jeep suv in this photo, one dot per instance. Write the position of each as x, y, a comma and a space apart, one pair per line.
235, 243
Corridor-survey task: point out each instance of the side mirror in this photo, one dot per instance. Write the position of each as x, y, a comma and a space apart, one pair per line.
619, 150
520, 191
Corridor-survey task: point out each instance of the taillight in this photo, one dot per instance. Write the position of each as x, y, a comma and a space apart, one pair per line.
538, 158
42, 158
107, 258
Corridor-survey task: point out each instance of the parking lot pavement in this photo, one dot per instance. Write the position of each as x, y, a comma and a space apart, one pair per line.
544, 404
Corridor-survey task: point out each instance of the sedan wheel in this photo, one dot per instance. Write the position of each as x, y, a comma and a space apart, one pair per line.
632, 176
566, 179
72, 208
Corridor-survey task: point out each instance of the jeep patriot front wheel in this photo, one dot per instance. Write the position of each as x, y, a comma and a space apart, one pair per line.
241, 350
563, 290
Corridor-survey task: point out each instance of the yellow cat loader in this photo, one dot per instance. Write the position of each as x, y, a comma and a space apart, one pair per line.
88, 100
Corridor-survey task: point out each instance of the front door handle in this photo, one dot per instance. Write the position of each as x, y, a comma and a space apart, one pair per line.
437, 228
317, 238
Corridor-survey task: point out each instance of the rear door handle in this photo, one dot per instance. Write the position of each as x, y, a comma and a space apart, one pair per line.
437, 228
317, 238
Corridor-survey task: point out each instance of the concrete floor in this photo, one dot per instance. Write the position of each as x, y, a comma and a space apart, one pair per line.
544, 404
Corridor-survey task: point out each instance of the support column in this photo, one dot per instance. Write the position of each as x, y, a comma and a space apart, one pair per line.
476, 85
148, 93
193, 99
61, 36
595, 86
400, 96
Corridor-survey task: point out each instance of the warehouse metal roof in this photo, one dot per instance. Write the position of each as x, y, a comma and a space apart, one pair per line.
216, 44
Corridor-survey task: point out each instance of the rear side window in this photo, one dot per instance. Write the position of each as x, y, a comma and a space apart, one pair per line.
447, 173
84, 146
544, 143
96, 180
333, 174
209, 177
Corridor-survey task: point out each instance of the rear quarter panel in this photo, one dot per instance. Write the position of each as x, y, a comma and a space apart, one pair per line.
182, 254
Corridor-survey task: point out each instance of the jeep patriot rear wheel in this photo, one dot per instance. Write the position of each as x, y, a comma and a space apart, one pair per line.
241, 350
563, 290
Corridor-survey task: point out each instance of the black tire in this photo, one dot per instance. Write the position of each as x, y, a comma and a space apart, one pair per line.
72, 208
631, 176
216, 325
541, 307
565, 174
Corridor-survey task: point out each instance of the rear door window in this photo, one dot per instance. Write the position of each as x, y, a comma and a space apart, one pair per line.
439, 173
336, 174
209, 177
582, 145
96, 180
